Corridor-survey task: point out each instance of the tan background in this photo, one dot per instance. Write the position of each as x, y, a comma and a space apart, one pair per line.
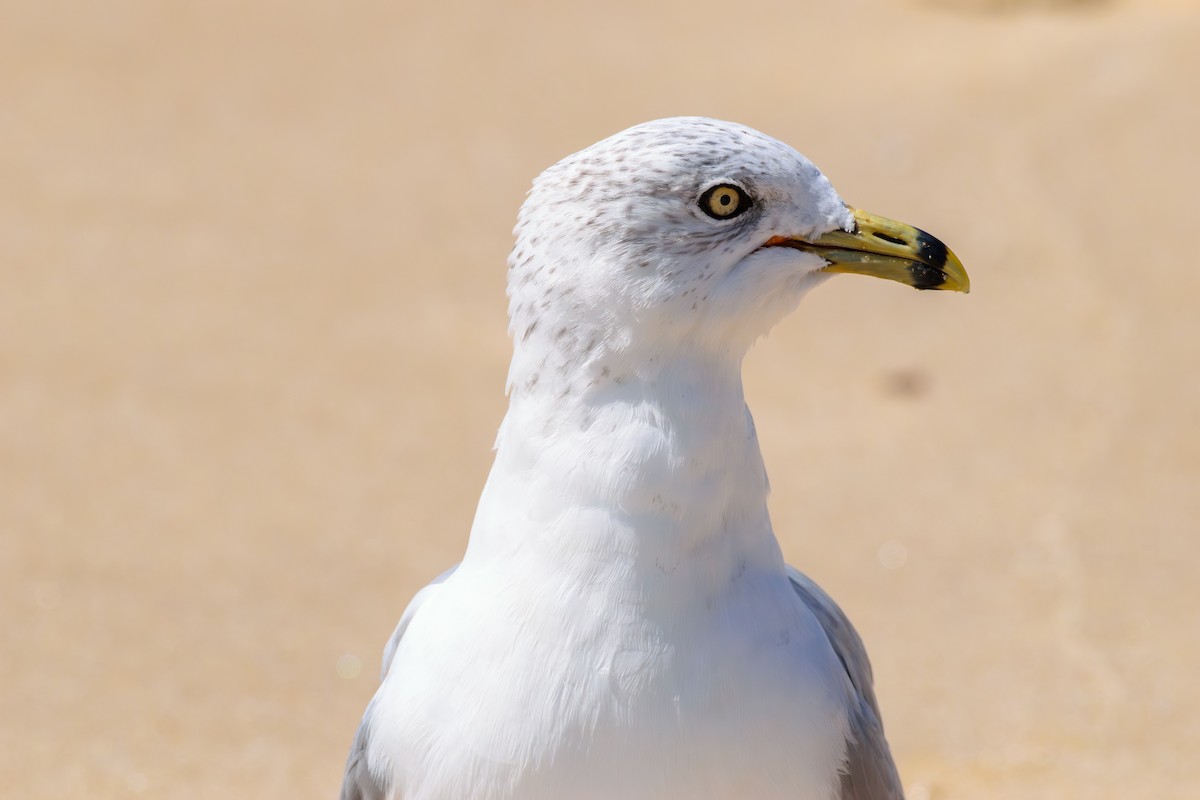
252, 350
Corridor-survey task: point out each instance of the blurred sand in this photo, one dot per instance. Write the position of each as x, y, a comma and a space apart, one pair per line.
252, 352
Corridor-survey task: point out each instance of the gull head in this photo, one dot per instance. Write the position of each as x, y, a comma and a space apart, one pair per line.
688, 237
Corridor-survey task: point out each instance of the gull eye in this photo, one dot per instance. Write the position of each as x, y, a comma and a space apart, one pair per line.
724, 201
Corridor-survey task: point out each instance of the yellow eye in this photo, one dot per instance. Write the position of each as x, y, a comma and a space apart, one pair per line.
724, 201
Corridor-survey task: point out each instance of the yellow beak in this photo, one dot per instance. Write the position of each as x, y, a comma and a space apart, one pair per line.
887, 249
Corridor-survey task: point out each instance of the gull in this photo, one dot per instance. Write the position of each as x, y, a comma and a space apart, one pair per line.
622, 623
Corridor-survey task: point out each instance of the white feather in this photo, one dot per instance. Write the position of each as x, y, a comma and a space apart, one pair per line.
622, 624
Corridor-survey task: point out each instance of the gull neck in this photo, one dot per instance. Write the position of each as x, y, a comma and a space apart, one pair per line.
643, 465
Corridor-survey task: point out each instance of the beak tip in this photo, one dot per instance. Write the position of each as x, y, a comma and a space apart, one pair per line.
957, 283
956, 278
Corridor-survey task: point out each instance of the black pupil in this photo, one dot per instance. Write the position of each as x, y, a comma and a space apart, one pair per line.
724, 202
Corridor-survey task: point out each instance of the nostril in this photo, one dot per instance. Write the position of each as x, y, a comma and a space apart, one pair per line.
886, 238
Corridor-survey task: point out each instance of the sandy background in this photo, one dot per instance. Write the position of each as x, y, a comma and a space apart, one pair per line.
252, 349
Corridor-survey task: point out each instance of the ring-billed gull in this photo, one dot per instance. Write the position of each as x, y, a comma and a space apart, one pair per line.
622, 624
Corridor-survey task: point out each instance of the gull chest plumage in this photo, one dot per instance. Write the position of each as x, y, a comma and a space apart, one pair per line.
623, 623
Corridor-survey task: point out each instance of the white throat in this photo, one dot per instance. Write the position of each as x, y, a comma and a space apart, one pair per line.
672, 482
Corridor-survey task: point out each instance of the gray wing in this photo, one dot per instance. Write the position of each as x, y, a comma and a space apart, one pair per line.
360, 783
870, 773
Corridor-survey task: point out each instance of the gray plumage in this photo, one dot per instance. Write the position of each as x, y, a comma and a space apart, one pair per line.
870, 773
360, 783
